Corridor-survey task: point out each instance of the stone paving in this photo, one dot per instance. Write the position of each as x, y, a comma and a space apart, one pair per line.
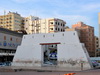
13, 72
91, 72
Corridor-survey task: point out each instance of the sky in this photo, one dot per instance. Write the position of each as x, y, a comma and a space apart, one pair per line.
71, 11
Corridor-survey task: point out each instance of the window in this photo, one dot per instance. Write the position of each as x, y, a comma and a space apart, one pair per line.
32, 25
56, 23
53, 35
51, 22
10, 28
61, 30
51, 28
96, 38
37, 30
58, 29
10, 21
4, 37
63, 34
10, 18
74, 33
1, 19
61, 24
7, 18
32, 30
43, 35
11, 39
97, 42
97, 46
55, 28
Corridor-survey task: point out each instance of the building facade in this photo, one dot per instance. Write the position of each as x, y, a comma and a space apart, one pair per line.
9, 41
60, 51
86, 36
11, 21
28, 24
50, 25
99, 27
97, 50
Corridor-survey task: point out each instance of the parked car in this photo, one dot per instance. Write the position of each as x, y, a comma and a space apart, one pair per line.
5, 63
8, 63
95, 63
2, 64
48, 63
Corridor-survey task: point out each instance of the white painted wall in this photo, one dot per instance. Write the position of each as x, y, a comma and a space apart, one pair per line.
70, 52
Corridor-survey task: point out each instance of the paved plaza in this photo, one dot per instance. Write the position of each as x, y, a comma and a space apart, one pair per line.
89, 72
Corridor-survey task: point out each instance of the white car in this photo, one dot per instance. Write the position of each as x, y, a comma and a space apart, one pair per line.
95, 63
48, 63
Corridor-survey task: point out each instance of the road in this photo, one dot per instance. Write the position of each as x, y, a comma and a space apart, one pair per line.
89, 72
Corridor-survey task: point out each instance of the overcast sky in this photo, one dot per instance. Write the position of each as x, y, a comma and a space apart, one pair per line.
71, 11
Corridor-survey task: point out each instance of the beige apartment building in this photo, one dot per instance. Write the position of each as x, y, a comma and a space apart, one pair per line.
11, 21
49, 25
86, 36
28, 24
98, 52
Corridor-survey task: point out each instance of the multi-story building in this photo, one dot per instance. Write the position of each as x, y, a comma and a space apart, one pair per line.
9, 40
99, 28
50, 25
28, 24
11, 21
97, 50
86, 36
